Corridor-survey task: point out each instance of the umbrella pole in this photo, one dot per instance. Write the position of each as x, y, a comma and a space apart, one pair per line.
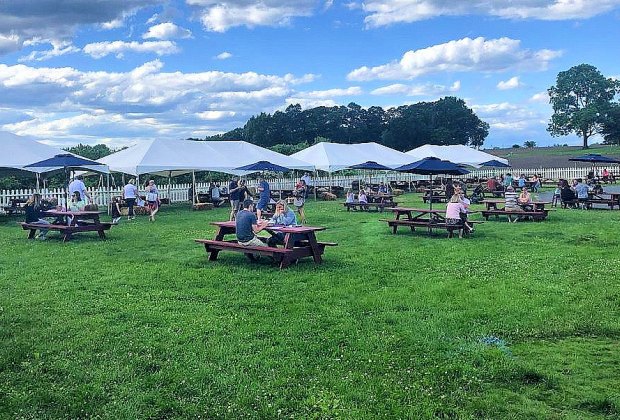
38, 186
431, 193
109, 192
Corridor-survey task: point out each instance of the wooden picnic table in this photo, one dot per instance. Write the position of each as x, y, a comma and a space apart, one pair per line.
70, 222
299, 242
425, 218
538, 205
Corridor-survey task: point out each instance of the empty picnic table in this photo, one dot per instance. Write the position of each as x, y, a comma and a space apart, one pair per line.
70, 222
299, 242
597, 198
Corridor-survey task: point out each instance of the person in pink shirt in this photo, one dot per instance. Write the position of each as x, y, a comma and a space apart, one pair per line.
453, 213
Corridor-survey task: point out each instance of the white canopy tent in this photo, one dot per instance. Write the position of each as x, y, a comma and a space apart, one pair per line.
332, 157
458, 153
176, 157
18, 151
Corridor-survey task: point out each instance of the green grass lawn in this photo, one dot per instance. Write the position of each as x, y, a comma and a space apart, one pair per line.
522, 320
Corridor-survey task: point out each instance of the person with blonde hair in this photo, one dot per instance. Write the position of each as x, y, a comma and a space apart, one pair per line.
34, 210
283, 216
152, 197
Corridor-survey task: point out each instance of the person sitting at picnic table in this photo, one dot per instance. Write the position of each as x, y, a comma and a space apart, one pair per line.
383, 188
605, 175
525, 200
362, 199
76, 203
466, 203
492, 184
510, 200
116, 209
581, 190
350, 197
521, 181
247, 225
507, 182
78, 185
454, 209
216, 198
34, 209
283, 216
567, 195
264, 196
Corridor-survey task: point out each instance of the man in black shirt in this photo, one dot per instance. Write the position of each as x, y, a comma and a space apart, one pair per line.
233, 190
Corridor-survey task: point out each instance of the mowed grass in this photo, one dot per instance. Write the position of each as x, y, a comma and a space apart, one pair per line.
521, 320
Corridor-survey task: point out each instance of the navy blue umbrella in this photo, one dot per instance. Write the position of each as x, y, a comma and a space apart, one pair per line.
594, 158
262, 165
68, 161
495, 164
371, 165
432, 166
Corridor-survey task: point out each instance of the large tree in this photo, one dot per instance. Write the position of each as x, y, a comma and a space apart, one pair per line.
611, 126
580, 99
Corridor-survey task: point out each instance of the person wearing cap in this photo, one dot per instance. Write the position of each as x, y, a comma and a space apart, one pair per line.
247, 225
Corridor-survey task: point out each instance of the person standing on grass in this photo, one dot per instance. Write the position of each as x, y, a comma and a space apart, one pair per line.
247, 225
581, 190
152, 198
34, 210
264, 195
300, 200
78, 185
130, 194
234, 193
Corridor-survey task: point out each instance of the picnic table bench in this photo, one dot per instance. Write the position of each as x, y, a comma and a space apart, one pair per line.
424, 218
367, 206
610, 202
299, 242
513, 216
80, 221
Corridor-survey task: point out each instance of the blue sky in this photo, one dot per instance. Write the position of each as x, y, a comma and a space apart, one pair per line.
121, 71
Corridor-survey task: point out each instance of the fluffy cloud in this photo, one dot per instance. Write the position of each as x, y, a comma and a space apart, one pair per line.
417, 90
58, 49
540, 97
219, 16
119, 48
224, 56
463, 55
67, 105
511, 83
167, 30
387, 12
21, 21
508, 116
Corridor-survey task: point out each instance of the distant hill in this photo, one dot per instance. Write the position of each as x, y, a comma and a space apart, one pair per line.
551, 157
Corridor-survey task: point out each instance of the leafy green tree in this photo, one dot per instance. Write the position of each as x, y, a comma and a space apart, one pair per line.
91, 152
289, 149
611, 125
529, 144
580, 99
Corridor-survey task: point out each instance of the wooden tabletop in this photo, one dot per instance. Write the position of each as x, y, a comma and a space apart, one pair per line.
81, 213
408, 209
275, 228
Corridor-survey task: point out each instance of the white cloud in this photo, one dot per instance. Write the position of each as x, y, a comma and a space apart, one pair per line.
463, 55
69, 106
417, 90
331, 93
219, 16
307, 103
509, 116
215, 115
388, 12
23, 21
119, 48
167, 30
541, 97
58, 48
224, 56
511, 83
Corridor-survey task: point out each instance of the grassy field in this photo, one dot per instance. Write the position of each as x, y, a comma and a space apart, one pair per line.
521, 320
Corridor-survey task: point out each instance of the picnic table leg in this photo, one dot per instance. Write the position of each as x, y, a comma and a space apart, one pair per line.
316, 250
101, 234
32, 233
67, 236
212, 253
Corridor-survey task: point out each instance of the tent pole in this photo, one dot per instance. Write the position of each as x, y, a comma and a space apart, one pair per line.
38, 186
315, 176
169, 185
194, 192
109, 192
431, 193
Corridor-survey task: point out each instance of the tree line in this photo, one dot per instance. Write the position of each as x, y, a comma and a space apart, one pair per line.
444, 122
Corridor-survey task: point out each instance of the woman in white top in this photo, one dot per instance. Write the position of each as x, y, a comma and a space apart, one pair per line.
152, 198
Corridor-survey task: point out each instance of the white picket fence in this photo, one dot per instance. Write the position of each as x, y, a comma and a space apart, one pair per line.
180, 192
